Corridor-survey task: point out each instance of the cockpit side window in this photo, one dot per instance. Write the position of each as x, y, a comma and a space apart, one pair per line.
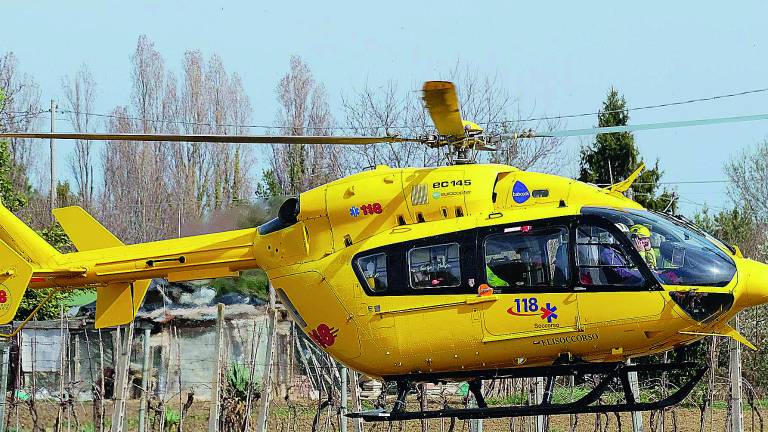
602, 260
374, 270
535, 259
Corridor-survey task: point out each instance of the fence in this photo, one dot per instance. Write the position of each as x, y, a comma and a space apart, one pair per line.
248, 372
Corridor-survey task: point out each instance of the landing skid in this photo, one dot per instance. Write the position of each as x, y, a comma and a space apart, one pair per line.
585, 404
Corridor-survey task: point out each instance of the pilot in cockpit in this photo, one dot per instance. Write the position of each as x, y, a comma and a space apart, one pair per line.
641, 239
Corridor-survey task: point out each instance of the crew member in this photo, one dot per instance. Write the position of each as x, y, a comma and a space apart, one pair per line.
494, 280
641, 239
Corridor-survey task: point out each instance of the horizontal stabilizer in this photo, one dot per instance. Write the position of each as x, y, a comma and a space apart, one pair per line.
15, 273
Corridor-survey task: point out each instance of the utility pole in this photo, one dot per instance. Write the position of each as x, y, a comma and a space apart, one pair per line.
53, 156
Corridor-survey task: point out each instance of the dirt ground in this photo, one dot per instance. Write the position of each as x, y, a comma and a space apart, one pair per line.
297, 417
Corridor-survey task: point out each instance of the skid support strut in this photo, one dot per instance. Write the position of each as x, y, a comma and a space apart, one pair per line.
611, 372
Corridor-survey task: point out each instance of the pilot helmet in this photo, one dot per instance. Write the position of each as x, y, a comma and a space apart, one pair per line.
641, 231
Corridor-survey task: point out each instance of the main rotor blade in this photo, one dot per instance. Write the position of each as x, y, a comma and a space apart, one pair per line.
641, 127
244, 139
443, 107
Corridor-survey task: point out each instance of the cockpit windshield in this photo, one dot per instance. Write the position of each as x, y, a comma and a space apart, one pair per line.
676, 253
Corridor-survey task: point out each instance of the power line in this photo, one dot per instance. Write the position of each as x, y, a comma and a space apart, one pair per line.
674, 182
565, 116
34, 113
646, 107
211, 125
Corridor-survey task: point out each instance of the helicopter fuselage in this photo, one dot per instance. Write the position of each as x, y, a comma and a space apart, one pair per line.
396, 290
430, 272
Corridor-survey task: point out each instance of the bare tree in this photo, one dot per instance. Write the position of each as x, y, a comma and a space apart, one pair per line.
19, 113
151, 188
382, 111
136, 195
80, 96
217, 86
543, 154
190, 167
485, 100
242, 157
303, 110
748, 173
148, 77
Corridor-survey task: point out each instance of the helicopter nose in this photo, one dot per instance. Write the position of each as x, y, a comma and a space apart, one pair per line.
754, 288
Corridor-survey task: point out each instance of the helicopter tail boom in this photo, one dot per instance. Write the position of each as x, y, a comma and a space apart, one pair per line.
24, 241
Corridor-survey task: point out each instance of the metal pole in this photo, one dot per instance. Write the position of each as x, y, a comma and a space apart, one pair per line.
343, 411
261, 425
53, 157
213, 418
144, 382
737, 416
358, 422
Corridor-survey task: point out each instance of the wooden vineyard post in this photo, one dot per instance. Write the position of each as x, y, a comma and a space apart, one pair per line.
266, 382
737, 416
475, 425
637, 416
5, 358
539, 397
121, 383
213, 418
144, 381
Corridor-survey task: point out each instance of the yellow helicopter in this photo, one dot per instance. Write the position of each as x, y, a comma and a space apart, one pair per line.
462, 272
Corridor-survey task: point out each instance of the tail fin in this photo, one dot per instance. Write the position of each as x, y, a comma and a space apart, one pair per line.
15, 273
25, 241
116, 303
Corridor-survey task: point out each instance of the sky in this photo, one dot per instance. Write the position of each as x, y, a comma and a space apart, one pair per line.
556, 58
